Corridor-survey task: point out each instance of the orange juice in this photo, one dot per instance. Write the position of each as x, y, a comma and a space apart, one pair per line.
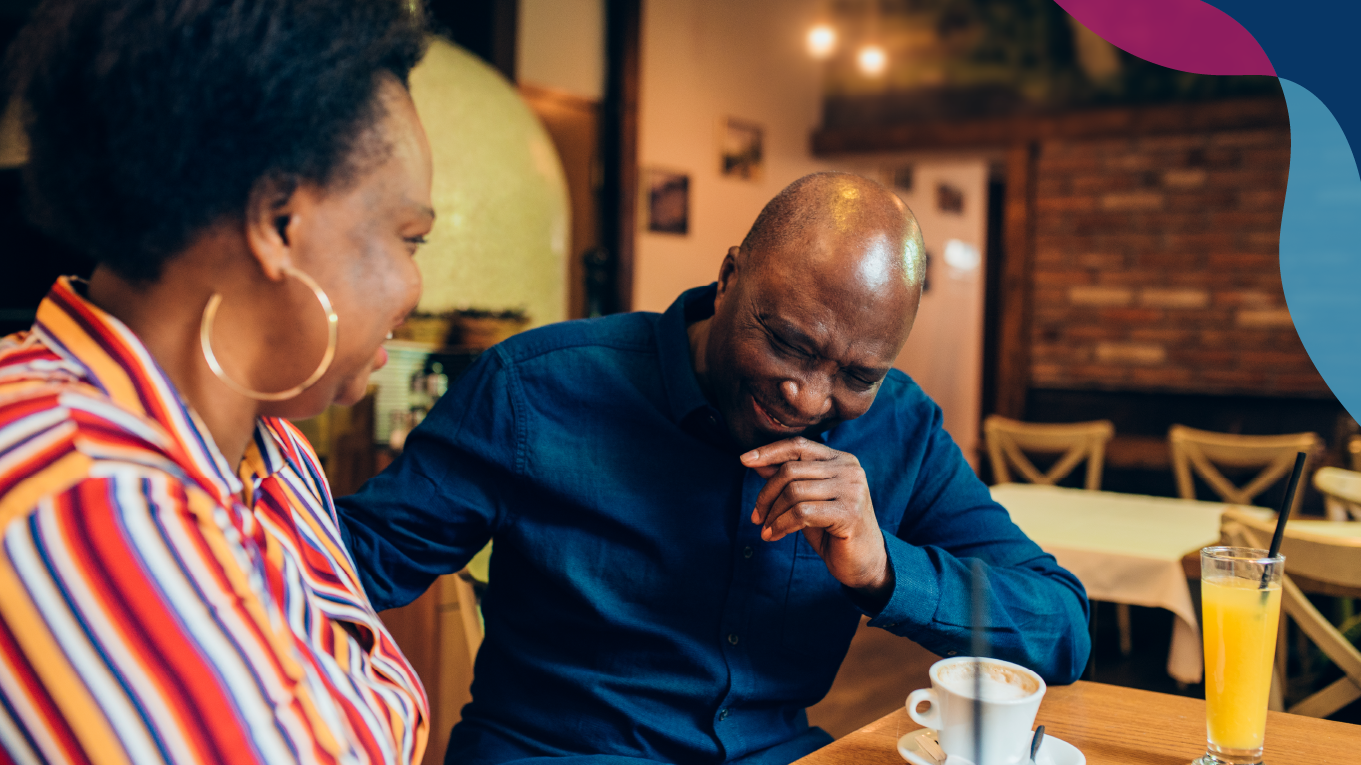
1240, 645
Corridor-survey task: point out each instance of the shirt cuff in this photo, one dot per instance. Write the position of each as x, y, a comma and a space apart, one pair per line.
916, 590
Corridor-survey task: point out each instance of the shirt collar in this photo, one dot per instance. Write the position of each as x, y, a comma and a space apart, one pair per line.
116, 362
673, 345
262, 459
689, 408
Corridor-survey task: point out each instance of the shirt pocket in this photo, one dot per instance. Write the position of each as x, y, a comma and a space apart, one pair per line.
819, 620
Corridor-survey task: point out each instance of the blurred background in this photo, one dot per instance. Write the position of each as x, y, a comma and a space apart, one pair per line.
1102, 233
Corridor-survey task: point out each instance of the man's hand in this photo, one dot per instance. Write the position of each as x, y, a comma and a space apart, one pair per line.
822, 492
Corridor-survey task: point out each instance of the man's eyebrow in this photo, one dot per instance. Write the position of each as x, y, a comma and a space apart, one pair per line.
878, 373
788, 333
427, 211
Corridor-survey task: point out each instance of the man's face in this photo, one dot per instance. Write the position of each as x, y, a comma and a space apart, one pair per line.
797, 345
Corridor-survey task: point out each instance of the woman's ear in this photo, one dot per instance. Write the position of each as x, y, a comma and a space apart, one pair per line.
271, 222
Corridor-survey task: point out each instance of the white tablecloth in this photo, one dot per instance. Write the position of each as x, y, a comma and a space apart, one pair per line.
1126, 548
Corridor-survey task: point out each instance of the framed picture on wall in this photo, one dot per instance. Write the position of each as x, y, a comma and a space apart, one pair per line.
949, 199
741, 149
666, 201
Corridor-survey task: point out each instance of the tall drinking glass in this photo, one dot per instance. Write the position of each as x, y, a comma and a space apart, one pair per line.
1240, 589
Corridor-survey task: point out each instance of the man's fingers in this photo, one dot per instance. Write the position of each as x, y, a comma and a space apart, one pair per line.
782, 477
797, 492
816, 514
788, 450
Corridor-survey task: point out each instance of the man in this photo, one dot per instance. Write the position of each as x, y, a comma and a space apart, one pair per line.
692, 510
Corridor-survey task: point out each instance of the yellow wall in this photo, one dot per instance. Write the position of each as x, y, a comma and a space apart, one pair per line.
500, 238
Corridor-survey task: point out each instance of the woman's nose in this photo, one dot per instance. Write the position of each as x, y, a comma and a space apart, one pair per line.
809, 398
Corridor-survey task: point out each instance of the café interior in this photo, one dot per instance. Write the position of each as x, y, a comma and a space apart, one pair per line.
1103, 321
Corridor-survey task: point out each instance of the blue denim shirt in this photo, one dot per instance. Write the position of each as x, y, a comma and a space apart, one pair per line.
633, 609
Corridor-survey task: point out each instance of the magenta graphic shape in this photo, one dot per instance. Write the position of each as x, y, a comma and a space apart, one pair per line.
1187, 35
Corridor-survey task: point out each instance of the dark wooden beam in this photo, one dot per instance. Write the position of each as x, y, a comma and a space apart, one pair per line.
1229, 114
619, 144
487, 28
1013, 334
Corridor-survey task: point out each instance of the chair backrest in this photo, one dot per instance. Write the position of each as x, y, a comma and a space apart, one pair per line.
1341, 490
1202, 451
1354, 452
1319, 563
1331, 560
1008, 441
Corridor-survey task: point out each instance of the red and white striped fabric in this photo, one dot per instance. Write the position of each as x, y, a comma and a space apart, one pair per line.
155, 607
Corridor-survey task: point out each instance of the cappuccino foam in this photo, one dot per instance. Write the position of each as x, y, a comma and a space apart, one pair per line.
998, 683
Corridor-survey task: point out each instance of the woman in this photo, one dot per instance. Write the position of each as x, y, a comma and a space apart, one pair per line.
252, 180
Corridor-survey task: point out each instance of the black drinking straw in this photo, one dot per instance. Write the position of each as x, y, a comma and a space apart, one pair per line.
1284, 514
979, 649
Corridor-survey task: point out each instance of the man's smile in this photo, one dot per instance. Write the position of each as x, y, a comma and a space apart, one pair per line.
769, 422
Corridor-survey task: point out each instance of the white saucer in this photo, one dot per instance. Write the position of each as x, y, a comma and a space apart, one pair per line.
1053, 751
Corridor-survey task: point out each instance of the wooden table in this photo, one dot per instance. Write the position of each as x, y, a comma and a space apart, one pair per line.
1122, 726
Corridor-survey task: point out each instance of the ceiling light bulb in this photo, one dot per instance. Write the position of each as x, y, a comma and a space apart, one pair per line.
821, 41
873, 61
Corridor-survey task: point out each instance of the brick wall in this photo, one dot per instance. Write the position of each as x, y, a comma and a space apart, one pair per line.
1156, 266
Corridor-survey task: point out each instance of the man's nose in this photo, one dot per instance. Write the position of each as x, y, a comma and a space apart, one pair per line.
810, 398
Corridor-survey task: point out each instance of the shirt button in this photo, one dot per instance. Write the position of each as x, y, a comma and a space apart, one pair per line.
732, 638
951, 653
723, 714
746, 552
890, 625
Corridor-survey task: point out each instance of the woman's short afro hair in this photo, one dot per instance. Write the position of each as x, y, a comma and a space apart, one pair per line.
150, 120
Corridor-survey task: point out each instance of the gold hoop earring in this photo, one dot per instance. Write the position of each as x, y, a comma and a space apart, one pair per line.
205, 333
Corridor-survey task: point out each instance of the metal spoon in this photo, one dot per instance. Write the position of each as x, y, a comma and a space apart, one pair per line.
1035, 743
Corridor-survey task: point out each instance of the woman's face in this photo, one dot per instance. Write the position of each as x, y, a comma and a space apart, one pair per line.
358, 243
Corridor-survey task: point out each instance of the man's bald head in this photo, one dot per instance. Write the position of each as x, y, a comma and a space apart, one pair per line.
847, 208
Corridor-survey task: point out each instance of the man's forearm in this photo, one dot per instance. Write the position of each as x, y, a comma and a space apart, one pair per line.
1037, 612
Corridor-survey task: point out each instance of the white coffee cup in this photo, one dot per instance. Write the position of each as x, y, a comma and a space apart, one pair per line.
1011, 697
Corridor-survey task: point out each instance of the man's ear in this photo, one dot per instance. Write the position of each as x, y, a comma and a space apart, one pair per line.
727, 274
271, 222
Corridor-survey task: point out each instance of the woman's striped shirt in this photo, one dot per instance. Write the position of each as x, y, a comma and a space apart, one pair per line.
154, 606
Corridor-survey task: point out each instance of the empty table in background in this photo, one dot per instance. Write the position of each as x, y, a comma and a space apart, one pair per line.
1126, 548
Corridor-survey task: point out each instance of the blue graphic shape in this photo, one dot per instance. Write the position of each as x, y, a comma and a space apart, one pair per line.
1321, 244
1312, 43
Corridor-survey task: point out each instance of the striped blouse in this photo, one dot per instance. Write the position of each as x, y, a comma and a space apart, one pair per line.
155, 607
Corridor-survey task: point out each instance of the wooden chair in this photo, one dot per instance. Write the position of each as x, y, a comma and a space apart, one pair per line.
457, 594
1341, 490
1317, 563
1199, 451
1354, 452
440, 633
1008, 440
